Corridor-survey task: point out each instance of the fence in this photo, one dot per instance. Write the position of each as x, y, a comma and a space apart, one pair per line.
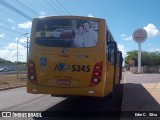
19, 69
146, 69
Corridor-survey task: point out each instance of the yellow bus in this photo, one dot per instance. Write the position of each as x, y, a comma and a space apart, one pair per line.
72, 56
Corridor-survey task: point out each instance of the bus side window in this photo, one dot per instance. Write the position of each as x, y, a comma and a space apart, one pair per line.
112, 51
106, 43
120, 64
118, 58
112, 56
108, 39
109, 53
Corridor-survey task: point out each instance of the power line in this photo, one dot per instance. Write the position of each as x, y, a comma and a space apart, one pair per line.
63, 7
12, 25
4, 41
10, 30
57, 6
52, 7
7, 34
11, 35
27, 7
9, 14
5, 22
15, 9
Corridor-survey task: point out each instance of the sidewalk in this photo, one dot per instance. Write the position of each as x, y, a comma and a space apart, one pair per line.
140, 96
12, 87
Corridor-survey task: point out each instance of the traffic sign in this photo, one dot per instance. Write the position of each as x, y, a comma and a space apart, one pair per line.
140, 35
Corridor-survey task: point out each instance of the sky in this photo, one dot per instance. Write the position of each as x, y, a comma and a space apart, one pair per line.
123, 17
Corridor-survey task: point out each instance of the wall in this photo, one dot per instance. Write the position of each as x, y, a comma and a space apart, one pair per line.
146, 69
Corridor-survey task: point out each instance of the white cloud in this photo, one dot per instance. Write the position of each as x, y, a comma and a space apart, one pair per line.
12, 46
154, 49
4, 54
10, 52
13, 28
90, 15
10, 20
125, 37
42, 12
42, 16
122, 49
2, 35
152, 30
25, 25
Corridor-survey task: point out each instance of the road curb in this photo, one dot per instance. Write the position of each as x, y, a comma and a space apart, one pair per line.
12, 87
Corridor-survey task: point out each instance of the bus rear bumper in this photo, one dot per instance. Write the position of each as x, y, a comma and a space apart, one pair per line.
95, 91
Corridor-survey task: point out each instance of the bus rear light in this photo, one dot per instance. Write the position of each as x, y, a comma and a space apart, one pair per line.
31, 65
31, 71
97, 73
32, 76
95, 80
98, 67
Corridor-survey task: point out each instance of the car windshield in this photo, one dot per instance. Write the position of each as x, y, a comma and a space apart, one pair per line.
67, 33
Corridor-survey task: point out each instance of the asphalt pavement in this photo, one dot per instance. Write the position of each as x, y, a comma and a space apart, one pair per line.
141, 92
141, 96
90, 108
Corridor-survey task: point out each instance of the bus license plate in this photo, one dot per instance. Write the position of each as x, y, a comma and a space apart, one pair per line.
64, 82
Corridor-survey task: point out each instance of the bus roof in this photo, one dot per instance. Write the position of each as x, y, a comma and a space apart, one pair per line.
69, 17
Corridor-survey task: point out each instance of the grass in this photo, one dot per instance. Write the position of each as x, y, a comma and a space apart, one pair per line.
11, 80
4, 82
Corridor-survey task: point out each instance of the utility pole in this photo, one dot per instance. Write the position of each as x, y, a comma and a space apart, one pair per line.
27, 48
17, 53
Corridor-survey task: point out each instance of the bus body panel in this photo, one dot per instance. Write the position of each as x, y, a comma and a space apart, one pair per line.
75, 68
117, 79
97, 90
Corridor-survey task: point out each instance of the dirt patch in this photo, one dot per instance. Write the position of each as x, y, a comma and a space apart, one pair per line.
11, 80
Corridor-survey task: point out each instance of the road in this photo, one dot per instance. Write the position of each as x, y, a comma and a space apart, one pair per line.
12, 72
141, 93
141, 78
18, 100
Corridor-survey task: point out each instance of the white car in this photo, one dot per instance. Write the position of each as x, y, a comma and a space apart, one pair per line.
3, 69
62, 33
56, 33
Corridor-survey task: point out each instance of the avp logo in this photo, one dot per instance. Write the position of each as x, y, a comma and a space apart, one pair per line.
62, 67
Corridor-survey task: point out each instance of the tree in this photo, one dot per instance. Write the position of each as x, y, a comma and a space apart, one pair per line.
3, 61
132, 55
147, 58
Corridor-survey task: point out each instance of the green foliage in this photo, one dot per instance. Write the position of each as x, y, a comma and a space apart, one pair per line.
3, 61
147, 58
7, 62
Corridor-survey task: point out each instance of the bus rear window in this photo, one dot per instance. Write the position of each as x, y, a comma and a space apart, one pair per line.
66, 33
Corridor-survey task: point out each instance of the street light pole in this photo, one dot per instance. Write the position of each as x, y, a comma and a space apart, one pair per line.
17, 50
27, 48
